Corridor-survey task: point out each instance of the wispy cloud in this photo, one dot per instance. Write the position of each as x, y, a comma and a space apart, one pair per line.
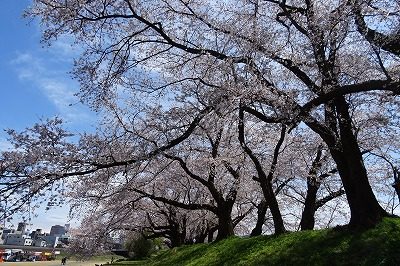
4, 144
57, 215
27, 66
64, 49
51, 78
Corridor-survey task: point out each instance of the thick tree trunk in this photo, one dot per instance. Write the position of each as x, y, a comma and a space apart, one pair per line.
308, 216
272, 202
210, 236
177, 240
200, 238
396, 183
178, 233
365, 209
225, 225
261, 212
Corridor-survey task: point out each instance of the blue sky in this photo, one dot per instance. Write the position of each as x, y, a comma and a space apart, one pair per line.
35, 84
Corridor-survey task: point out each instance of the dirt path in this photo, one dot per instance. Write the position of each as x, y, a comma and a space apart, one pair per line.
52, 263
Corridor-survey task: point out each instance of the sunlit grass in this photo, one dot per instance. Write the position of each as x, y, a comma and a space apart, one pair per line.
378, 246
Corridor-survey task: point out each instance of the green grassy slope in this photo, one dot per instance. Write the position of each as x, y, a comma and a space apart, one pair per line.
378, 246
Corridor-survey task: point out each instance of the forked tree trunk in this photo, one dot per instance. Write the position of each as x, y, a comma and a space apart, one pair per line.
364, 207
201, 238
264, 179
343, 146
262, 208
272, 202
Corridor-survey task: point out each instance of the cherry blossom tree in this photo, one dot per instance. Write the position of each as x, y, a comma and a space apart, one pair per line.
162, 71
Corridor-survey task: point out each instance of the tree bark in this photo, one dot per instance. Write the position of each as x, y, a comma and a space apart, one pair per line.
396, 183
308, 216
178, 231
274, 207
201, 238
264, 179
177, 239
210, 236
365, 209
262, 208
225, 223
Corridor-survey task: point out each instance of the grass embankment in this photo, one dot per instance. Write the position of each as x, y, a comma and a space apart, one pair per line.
377, 246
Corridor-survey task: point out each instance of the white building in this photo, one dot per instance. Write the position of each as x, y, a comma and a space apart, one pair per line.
18, 240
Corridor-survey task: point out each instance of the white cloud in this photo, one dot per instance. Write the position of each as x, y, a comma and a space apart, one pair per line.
54, 84
27, 66
4, 145
57, 92
64, 48
57, 215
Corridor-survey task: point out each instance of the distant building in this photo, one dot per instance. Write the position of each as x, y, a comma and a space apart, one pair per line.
18, 240
51, 241
39, 242
36, 234
57, 230
5, 233
22, 227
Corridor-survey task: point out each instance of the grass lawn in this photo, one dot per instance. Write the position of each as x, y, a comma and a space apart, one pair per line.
377, 246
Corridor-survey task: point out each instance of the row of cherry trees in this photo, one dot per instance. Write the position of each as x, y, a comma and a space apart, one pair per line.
220, 117
211, 184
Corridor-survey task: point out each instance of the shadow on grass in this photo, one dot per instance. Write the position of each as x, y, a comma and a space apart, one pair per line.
378, 246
